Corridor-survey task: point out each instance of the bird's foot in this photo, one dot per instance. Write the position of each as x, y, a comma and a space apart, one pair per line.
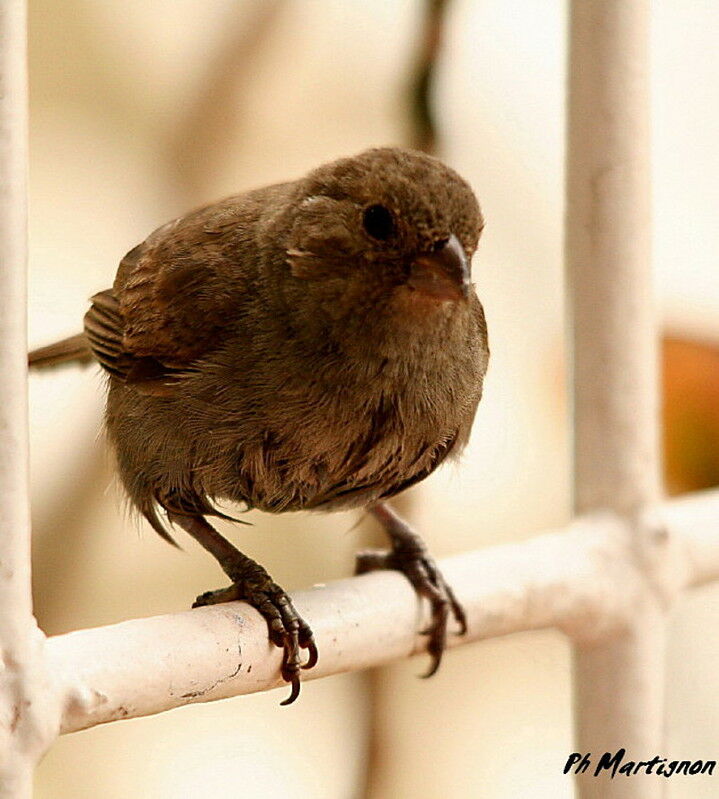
409, 555
287, 629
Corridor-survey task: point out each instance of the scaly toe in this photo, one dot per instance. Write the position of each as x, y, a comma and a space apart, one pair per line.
286, 629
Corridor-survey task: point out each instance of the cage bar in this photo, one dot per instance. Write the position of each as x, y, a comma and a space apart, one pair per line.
619, 681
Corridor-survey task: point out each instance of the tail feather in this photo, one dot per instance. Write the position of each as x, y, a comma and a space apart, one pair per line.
68, 350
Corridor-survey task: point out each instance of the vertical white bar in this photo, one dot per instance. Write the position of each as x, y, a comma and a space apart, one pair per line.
15, 602
18, 634
618, 682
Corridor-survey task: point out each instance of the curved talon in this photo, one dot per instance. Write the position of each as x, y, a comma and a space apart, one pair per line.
294, 693
412, 559
433, 668
457, 611
437, 633
313, 655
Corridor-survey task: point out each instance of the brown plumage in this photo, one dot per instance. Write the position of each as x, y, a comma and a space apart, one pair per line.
314, 344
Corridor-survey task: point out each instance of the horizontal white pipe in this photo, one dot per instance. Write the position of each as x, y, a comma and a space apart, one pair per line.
580, 580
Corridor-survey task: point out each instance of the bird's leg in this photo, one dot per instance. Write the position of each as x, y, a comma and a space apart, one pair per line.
252, 584
410, 556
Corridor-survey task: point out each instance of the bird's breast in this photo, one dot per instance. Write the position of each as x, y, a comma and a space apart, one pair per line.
345, 448
336, 429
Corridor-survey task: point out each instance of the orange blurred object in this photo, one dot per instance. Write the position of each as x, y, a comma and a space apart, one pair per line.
691, 414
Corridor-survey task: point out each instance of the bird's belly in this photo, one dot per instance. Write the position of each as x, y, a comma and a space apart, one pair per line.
329, 469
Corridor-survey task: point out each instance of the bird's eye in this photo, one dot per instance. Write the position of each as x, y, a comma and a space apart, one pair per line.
378, 222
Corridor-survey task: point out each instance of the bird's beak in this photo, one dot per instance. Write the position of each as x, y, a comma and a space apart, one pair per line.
442, 274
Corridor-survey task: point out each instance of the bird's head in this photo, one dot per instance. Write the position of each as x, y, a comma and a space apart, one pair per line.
388, 227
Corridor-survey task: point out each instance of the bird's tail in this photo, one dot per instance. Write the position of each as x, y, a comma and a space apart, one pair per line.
69, 350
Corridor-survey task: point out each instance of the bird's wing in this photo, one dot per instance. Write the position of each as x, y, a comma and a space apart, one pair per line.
169, 307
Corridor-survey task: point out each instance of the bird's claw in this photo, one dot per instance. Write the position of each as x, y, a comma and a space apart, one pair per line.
420, 569
287, 630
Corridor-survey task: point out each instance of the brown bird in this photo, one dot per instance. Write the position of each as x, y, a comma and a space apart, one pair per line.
312, 344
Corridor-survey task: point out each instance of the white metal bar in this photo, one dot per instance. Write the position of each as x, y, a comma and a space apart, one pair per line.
146, 666
608, 257
618, 682
14, 516
24, 713
580, 580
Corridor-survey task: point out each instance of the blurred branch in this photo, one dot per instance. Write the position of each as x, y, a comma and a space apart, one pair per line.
584, 581
424, 127
194, 149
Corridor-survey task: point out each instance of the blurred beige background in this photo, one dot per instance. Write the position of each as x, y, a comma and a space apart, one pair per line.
141, 110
